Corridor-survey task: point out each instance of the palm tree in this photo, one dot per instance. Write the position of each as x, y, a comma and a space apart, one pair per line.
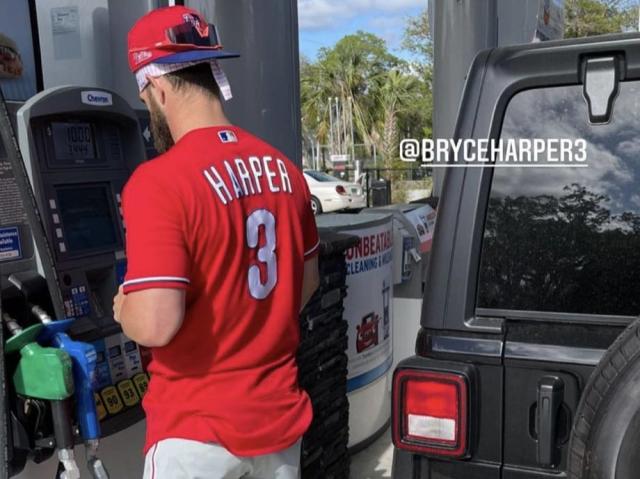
350, 72
396, 94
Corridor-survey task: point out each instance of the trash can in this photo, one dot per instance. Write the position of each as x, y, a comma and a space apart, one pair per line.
380, 192
368, 311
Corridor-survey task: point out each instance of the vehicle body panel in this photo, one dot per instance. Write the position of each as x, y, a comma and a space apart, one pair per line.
512, 350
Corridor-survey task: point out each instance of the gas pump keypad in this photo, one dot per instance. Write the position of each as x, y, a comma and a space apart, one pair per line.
76, 302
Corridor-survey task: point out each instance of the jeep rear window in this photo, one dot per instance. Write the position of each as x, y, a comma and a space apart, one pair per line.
566, 240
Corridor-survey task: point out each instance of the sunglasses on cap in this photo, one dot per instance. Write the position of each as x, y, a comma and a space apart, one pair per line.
193, 34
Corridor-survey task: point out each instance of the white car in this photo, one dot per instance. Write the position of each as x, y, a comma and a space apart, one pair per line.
329, 193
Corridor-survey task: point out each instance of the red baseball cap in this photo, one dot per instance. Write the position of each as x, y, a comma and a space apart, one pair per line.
173, 35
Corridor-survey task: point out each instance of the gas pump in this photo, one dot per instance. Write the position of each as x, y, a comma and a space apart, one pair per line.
79, 145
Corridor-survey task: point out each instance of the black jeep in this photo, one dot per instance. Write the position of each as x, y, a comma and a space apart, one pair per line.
528, 358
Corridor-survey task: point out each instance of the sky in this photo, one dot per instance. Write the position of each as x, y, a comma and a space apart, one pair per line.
324, 22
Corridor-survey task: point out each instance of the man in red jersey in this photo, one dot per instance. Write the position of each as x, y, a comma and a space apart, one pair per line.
222, 256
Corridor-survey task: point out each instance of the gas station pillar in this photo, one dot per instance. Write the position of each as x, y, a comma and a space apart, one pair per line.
461, 29
266, 79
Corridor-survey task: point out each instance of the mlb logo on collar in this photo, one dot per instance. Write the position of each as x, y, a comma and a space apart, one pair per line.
227, 136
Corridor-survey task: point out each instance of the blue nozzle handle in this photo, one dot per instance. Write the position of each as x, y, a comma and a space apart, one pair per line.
84, 359
49, 330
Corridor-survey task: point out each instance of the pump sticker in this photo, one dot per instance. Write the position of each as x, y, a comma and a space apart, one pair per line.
128, 393
10, 244
103, 374
117, 366
112, 400
423, 220
132, 361
368, 307
142, 383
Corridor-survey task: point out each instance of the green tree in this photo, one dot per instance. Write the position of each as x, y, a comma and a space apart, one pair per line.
389, 98
355, 64
350, 72
419, 41
596, 17
314, 92
396, 94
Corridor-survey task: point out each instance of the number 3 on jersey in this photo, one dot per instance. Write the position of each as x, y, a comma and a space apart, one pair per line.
266, 254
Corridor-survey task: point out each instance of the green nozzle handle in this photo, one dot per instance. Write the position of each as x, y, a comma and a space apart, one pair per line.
42, 373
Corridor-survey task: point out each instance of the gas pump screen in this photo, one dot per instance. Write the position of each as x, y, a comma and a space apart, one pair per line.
73, 142
87, 218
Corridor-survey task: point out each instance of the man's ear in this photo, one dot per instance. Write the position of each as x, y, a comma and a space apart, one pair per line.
158, 88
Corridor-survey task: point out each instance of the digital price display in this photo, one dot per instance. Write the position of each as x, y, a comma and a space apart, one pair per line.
73, 142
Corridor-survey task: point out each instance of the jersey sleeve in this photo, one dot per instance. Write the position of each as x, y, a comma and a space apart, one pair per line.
157, 255
309, 228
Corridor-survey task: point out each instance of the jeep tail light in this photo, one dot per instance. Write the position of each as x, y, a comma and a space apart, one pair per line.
340, 190
430, 412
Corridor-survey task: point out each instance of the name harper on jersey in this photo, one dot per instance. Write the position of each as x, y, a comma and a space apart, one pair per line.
248, 177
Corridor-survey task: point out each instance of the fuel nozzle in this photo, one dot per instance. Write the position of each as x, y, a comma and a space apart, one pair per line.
41, 314
45, 374
12, 325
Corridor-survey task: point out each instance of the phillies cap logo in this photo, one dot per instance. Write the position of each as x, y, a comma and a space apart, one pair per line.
197, 24
139, 57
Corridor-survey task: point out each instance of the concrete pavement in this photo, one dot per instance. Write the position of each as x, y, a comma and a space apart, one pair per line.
375, 461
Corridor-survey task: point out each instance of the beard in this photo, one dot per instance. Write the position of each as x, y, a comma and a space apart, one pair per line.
162, 139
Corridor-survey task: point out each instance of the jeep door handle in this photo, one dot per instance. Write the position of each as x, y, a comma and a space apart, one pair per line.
550, 397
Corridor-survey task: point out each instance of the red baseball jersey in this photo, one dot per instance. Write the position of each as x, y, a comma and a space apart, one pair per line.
226, 217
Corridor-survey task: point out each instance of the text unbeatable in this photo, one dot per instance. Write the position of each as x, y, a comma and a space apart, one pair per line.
364, 265
371, 245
